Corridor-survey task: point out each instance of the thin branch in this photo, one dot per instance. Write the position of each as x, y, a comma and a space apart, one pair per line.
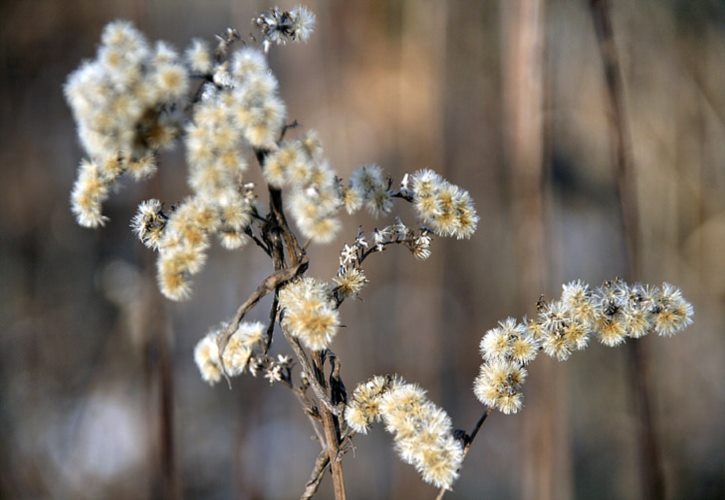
318, 472
467, 442
255, 214
472, 435
270, 284
308, 407
260, 243
405, 196
294, 251
338, 393
276, 233
272, 321
286, 128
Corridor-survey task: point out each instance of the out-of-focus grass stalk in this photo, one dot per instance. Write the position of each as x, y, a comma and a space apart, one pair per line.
653, 486
545, 449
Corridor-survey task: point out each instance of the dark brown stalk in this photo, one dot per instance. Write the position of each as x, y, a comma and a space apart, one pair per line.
649, 448
160, 361
166, 415
331, 428
278, 231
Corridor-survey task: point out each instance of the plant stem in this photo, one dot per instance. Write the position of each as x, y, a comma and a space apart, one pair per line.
276, 232
331, 429
318, 472
468, 441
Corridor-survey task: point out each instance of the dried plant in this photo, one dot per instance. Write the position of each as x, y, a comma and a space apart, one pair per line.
136, 99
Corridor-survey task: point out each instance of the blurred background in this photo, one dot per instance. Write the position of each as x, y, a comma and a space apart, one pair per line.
99, 394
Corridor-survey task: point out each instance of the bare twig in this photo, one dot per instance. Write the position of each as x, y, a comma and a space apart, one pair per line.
272, 320
270, 284
467, 442
338, 393
260, 243
286, 128
308, 407
318, 472
277, 238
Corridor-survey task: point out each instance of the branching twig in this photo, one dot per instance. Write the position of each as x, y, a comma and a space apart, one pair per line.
260, 243
270, 284
286, 128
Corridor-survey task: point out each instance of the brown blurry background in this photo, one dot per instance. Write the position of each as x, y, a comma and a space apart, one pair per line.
99, 395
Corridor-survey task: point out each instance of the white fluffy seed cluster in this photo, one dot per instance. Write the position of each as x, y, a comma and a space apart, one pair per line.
237, 354
184, 239
149, 223
124, 102
314, 199
445, 207
280, 26
370, 188
240, 108
308, 313
611, 313
505, 350
422, 431
127, 104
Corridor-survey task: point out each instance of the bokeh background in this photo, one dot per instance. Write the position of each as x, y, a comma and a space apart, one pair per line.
99, 395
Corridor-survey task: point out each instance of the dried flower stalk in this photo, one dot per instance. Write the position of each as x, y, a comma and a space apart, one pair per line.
136, 99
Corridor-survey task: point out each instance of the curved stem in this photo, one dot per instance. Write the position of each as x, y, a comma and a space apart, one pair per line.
318, 472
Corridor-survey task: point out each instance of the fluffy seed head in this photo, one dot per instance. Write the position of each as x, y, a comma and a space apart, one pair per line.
206, 356
308, 314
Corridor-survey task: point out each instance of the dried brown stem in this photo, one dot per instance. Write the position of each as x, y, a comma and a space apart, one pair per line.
318, 472
257, 241
318, 389
280, 243
309, 409
270, 284
331, 428
272, 320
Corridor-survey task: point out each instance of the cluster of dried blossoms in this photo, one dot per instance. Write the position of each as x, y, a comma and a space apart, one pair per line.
422, 431
244, 351
611, 313
126, 103
223, 106
135, 99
